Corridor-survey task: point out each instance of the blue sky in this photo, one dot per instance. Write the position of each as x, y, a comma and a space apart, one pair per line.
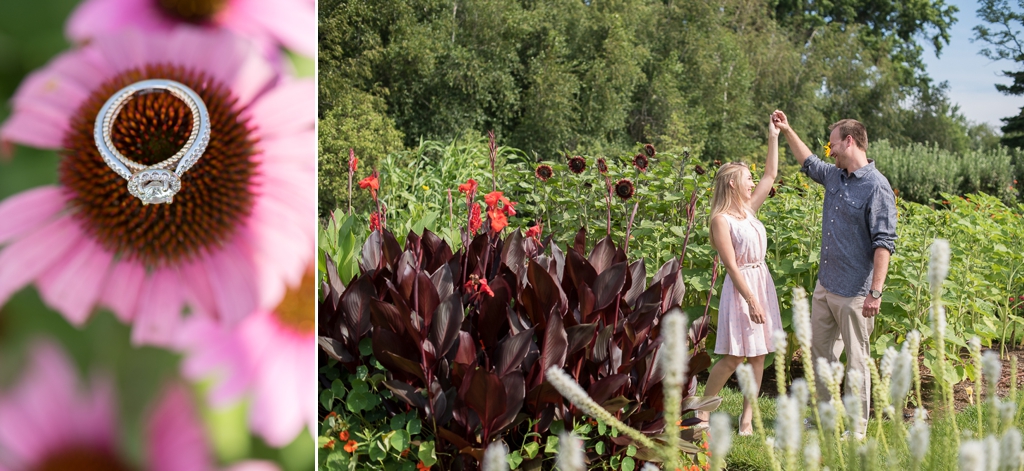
972, 77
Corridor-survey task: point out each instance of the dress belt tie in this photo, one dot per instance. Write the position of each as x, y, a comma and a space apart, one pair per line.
752, 265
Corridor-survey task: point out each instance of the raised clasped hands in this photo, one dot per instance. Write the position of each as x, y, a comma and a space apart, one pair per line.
780, 120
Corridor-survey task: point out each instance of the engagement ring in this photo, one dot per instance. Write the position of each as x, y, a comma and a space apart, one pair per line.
156, 183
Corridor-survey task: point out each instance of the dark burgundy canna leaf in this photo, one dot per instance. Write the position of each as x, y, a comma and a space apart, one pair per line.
609, 284
487, 397
559, 261
335, 349
435, 251
392, 251
447, 320
453, 438
638, 278
386, 315
587, 302
428, 299
604, 338
371, 257
407, 393
439, 405
555, 343
355, 306
405, 274
412, 242
492, 318
466, 349
515, 391
544, 393
396, 364
513, 255
603, 255
334, 280
443, 281
671, 266
578, 336
579, 243
512, 351
604, 388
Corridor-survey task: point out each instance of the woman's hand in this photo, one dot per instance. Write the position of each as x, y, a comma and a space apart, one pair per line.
756, 312
773, 128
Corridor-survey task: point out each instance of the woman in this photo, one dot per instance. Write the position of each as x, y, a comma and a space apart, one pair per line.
748, 310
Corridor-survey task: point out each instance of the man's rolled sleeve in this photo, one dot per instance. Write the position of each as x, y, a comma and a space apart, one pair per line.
815, 168
882, 219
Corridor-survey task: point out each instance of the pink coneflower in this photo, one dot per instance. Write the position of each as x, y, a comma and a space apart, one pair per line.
269, 23
50, 422
267, 357
230, 240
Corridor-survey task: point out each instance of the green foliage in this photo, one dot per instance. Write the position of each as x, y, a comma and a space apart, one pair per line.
920, 173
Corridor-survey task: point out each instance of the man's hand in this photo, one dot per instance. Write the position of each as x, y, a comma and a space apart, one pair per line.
871, 306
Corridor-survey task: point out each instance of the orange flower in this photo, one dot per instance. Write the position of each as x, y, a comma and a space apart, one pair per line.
405, 452
498, 220
484, 288
534, 231
475, 223
372, 183
329, 445
351, 446
343, 435
493, 197
353, 162
469, 187
330, 414
422, 467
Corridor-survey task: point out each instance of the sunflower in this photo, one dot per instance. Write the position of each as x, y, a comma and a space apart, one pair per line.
624, 189
640, 162
544, 172
577, 164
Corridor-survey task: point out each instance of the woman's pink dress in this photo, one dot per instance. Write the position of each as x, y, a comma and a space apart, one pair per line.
737, 334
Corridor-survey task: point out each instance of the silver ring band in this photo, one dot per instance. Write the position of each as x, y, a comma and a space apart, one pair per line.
154, 183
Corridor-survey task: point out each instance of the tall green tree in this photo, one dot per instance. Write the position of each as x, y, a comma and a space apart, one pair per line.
1004, 43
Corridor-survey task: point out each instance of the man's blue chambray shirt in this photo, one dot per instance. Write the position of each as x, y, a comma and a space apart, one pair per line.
859, 215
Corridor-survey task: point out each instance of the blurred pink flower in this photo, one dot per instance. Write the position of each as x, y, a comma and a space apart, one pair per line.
234, 237
267, 357
51, 423
269, 23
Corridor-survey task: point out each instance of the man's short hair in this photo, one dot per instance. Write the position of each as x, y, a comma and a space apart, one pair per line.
852, 127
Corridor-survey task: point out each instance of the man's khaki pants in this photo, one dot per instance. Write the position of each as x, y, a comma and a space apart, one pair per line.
837, 321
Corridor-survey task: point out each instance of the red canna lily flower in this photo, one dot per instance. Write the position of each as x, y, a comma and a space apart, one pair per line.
469, 187
498, 220
351, 446
353, 162
375, 222
372, 183
534, 231
485, 288
475, 222
577, 164
544, 172
492, 199
509, 208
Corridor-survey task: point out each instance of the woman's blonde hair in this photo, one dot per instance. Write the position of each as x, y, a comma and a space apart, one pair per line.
724, 196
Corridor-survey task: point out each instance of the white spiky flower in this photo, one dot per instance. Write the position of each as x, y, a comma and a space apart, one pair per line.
855, 382
780, 340
570, 453
991, 444
919, 435
827, 415
800, 391
938, 265
939, 320
494, 457
802, 319
720, 429
1007, 413
854, 410
649, 467
886, 364
1010, 449
972, 456
812, 454
824, 371
902, 374
991, 367
788, 426
748, 385
913, 340
974, 344
837, 372
675, 358
571, 390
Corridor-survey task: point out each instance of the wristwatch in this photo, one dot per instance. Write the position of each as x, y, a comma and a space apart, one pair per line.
876, 293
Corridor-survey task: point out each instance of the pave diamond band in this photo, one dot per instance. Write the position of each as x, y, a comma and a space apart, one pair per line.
157, 183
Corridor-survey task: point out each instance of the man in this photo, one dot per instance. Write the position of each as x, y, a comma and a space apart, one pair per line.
858, 234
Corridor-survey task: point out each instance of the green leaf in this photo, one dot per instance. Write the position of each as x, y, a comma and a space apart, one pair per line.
514, 459
427, 453
378, 450
400, 440
531, 449
398, 422
366, 347
599, 447
628, 464
326, 398
552, 446
413, 426
631, 450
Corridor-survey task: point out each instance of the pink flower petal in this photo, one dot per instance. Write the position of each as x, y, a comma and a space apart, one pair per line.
121, 291
97, 17
72, 287
197, 290
286, 377
211, 350
287, 109
27, 258
175, 439
288, 22
26, 211
253, 466
233, 281
158, 314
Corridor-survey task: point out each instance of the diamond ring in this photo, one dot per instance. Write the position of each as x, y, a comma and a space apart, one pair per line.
157, 183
